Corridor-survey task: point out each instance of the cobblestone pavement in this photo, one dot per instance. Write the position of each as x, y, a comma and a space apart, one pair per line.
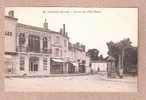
85, 83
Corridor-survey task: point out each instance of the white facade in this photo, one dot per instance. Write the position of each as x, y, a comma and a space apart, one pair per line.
99, 66
10, 34
10, 44
88, 67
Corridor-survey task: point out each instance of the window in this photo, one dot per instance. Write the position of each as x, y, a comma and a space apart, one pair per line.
45, 44
33, 64
22, 63
65, 43
78, 60
83, 61
57, 52
8, 33
45, 63
35, 67
34, 43
57, 39
21, 39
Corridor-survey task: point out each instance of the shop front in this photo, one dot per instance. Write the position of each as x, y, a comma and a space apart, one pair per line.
71, 67
81, 68
56, 66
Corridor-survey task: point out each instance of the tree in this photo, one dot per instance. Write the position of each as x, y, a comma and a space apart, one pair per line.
123, 50
113, 50
93, 54
130, 61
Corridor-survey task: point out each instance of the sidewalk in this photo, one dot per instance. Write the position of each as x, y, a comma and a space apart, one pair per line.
50, 75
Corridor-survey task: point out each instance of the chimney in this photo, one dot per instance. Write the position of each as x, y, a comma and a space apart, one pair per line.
64, 29
45, 24
11, 13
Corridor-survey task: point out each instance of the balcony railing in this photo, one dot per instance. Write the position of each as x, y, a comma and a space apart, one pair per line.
46, 51
21, 49
27, 49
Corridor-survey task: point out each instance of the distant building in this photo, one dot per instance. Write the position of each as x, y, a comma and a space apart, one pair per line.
99, 66
31, 50
77, 56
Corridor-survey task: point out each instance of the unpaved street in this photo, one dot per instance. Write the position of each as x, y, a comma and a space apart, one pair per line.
86, 83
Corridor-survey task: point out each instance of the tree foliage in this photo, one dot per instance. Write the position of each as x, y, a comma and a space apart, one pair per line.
129, 55
93, 54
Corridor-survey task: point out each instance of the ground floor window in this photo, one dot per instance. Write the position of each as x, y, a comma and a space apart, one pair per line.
33, 64
22, 63
10, 66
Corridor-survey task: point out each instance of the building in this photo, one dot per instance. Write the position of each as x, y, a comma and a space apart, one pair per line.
87, 65
31, 50
99, 66
77, 57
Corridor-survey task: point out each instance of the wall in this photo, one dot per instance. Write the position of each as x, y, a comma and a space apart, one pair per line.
10, 40
101, 65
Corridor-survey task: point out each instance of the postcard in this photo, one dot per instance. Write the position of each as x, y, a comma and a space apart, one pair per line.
71, 49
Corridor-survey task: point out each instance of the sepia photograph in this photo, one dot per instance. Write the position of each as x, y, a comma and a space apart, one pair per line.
71, 49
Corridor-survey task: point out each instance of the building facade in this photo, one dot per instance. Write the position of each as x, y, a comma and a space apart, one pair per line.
77, 57
31, 50
99, 66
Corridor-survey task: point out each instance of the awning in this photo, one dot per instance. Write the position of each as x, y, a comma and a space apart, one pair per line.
57, 60
11, 53
75, 64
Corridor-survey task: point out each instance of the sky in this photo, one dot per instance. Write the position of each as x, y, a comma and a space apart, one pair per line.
93, 27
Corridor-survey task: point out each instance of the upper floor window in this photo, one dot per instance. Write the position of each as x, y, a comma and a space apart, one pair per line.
57, 39
21, 39
45, 43
78, 60
34, 43
83, 61
57, 51
8, 33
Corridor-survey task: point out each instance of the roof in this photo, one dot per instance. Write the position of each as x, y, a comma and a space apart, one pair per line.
99, 61
11, 17
76, 47
110, 58
38, 28
33, 27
